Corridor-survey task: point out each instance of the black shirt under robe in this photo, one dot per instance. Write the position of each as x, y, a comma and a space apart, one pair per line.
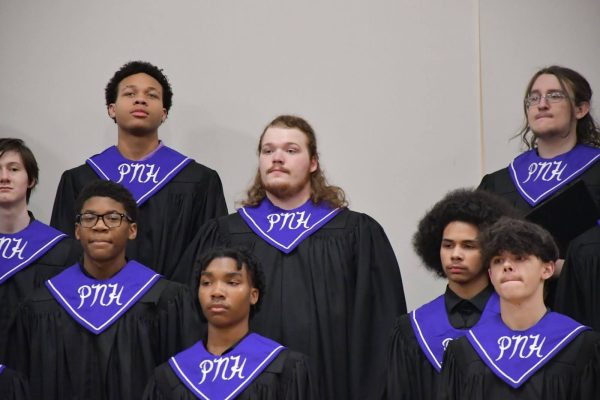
167, 222
63, 360
409, 374
572, 374
333, 298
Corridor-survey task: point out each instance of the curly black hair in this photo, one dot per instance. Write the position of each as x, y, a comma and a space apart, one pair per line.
113, 190
137, 67
476, 207
519, 237
243, 257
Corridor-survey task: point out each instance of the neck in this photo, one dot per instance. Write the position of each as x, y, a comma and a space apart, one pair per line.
468, 290
523, 314
136, 147
100, 269
553, 146
221, 339
289, 203
15, 219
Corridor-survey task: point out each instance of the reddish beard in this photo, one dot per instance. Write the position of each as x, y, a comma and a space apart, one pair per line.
286, 190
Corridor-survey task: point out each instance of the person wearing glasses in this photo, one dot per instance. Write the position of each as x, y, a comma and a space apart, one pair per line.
175, 194
563, 141
564, 149
30, 251
99, 328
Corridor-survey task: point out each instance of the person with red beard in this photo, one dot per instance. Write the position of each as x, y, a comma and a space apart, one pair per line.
333, 280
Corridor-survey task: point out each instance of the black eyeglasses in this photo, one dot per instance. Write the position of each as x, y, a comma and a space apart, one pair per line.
111, 219
552, 97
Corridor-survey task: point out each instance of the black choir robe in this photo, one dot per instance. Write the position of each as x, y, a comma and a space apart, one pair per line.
409, 374
167, 222
334, 297
573, 374
287, 377
13, 386
19, 286
578, 291
501, 183
64, 360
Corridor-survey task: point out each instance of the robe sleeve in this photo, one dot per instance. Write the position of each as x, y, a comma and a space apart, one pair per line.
449, 382
379, 301
179, 320
578, 290
589, 385
63, 212
13, 386
409, 374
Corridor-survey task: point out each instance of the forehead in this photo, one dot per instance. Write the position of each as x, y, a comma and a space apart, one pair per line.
223, 266
546, 82
101, 204
10, 157
280, 135
140, 80
460, 229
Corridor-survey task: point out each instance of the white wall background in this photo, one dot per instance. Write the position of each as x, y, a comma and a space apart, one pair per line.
409, 99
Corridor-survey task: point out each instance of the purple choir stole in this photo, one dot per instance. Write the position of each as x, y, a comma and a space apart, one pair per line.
433, 329
537, 178
211, 377
142, 178
286, 229
97, 304
18, 250
514, 356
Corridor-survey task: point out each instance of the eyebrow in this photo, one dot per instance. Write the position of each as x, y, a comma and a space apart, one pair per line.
135, 87
107, 212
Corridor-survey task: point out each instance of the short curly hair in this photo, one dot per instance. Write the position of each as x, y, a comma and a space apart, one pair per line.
138, 67
112, 190
518, 237
243, 257
476, 207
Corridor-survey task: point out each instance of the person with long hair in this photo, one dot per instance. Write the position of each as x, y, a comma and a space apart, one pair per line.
333, 280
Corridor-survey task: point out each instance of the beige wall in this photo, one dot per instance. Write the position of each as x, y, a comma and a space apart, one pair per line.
393, 88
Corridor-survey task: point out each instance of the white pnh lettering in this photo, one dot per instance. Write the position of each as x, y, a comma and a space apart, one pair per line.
524, 346
225, 368
139, 172
291, 220
104, 294
546, 171
12, 247
446, 341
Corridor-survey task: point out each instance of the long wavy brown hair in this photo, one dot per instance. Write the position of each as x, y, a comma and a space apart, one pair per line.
321, 190
587, 128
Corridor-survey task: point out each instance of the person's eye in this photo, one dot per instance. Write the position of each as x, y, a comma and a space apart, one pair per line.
88, 218
113, 217
292, 151
234, 283
153, 95
266, 151
556, 96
